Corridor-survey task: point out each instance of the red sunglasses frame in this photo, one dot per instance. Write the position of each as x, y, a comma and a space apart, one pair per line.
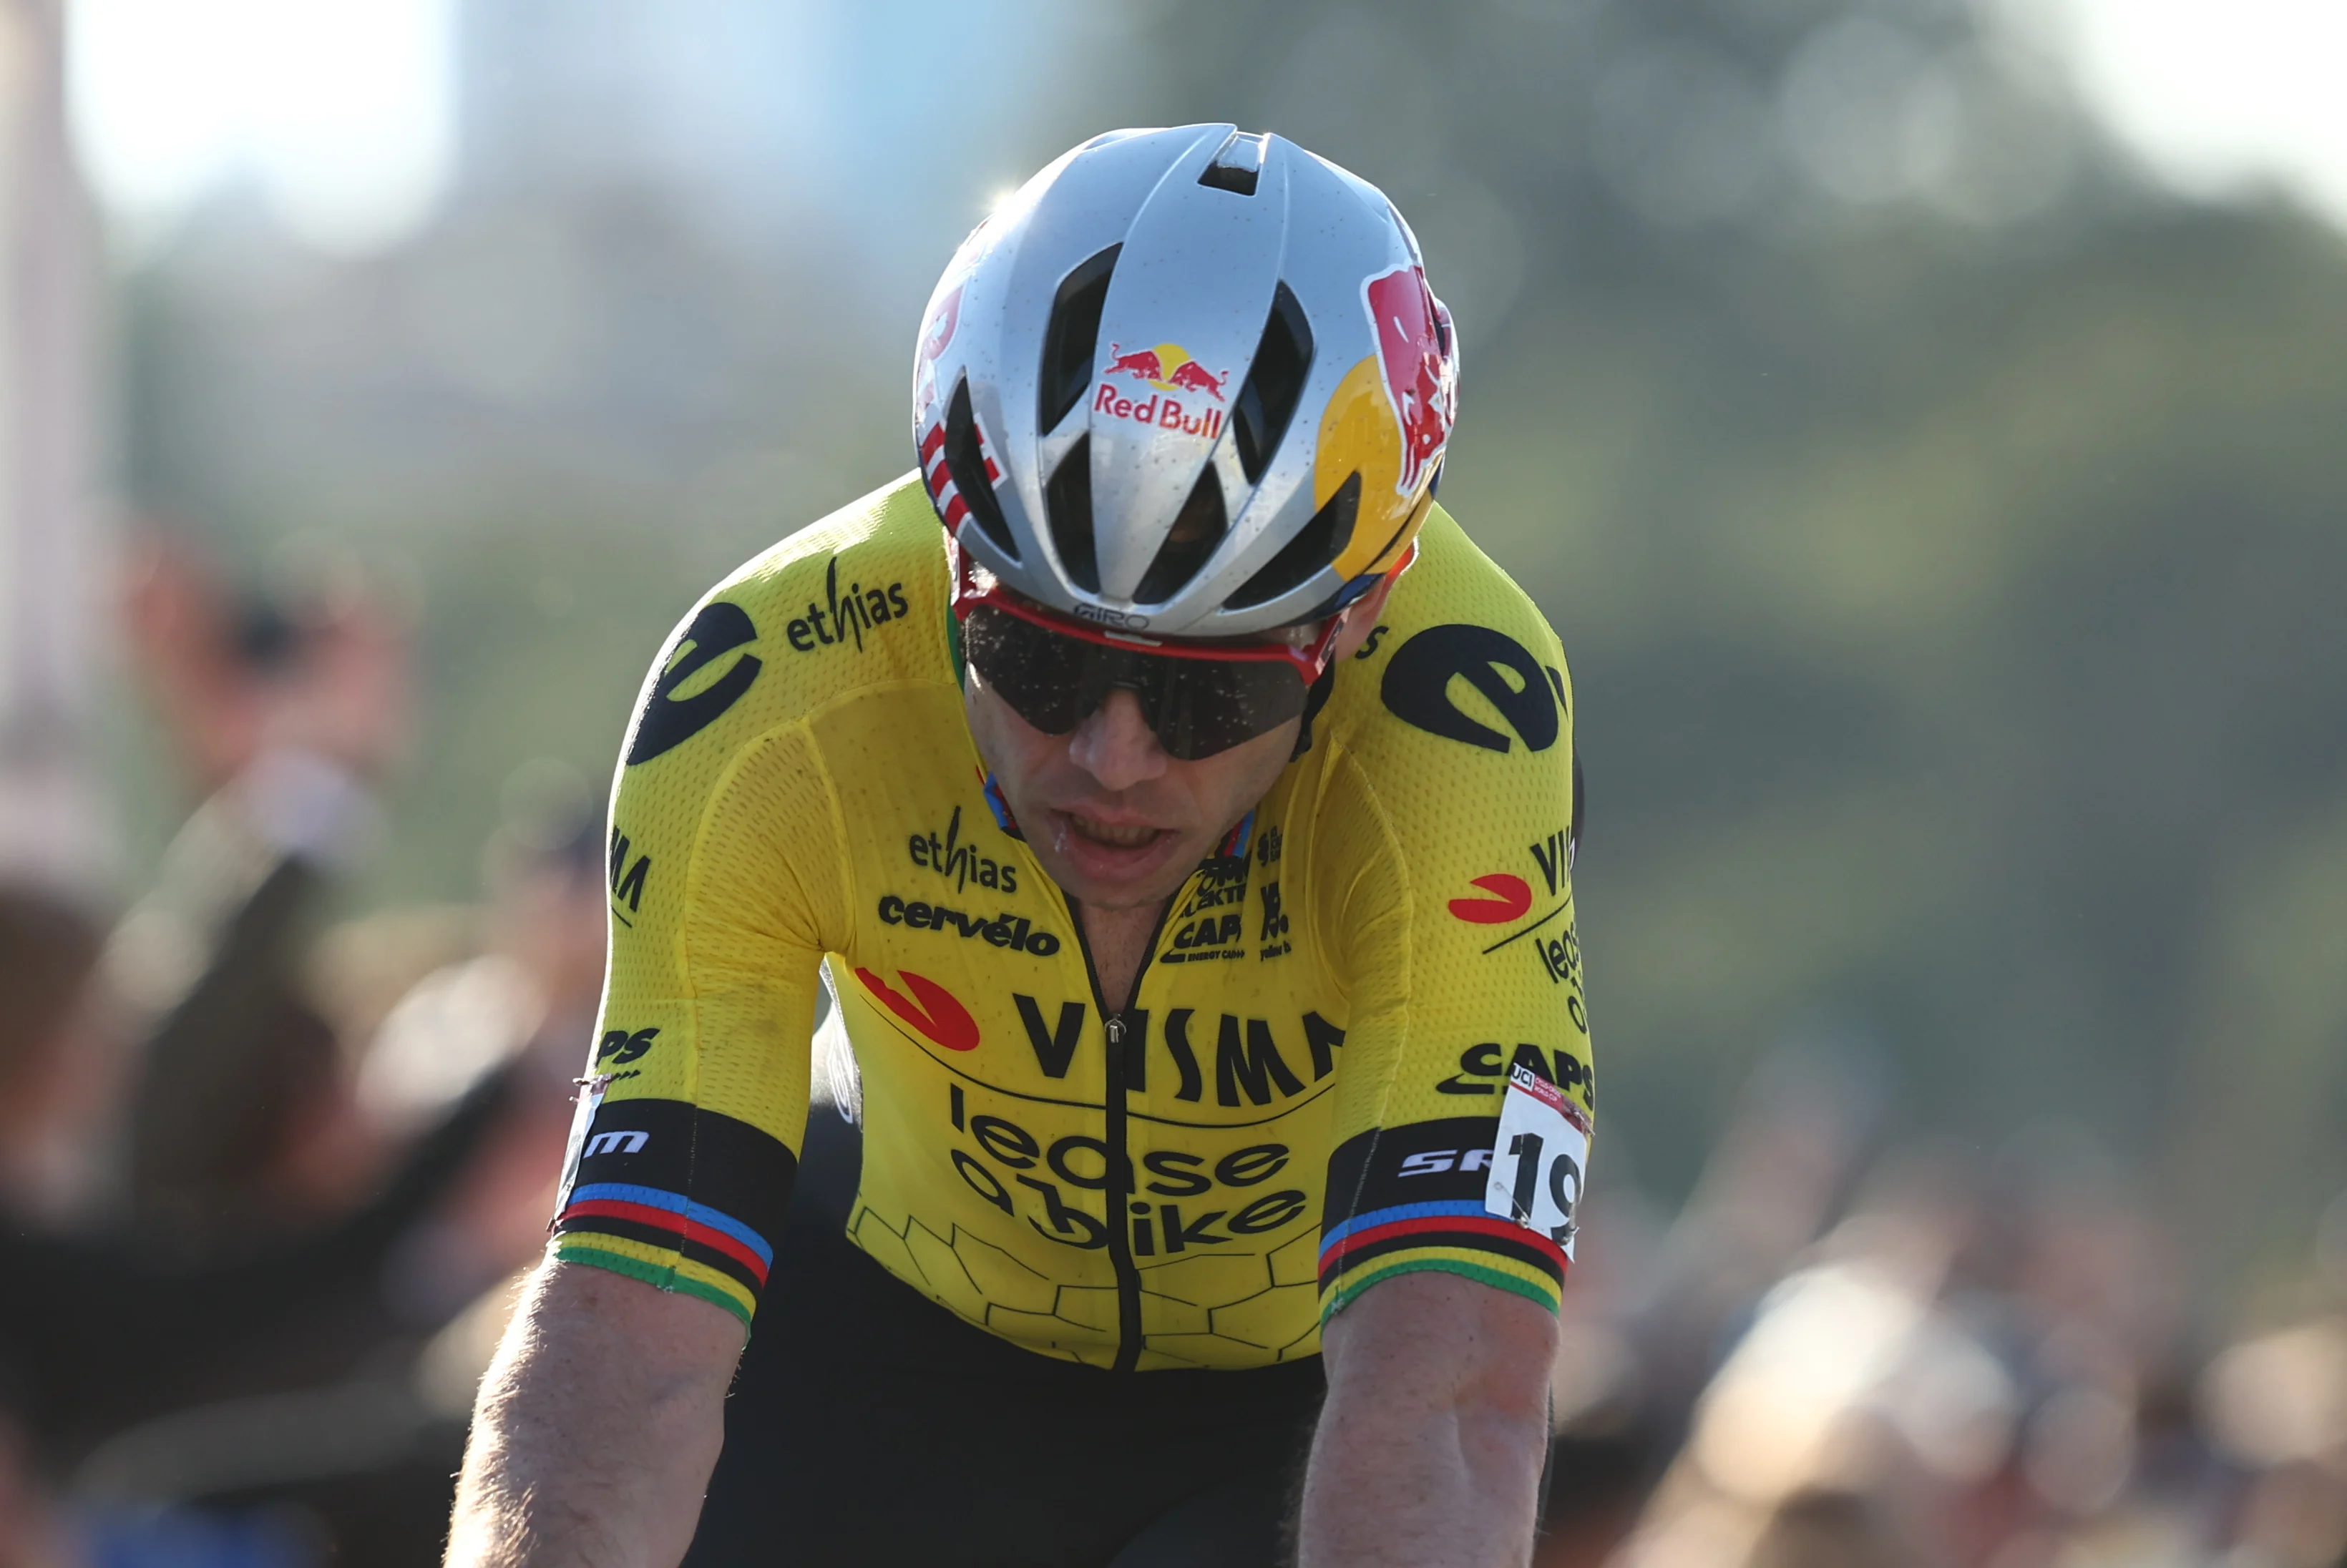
1309, 662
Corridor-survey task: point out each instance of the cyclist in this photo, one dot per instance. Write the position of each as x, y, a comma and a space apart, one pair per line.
1184, 838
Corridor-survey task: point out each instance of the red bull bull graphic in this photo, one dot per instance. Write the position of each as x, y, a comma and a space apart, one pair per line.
1416, 366
942, 324
1142, 362
1168, 367
935, 336
1190, 376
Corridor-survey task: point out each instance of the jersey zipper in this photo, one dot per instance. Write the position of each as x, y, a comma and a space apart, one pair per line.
1117, 1027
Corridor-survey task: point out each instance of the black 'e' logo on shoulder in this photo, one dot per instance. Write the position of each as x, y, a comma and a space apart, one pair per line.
668, 720
1416, 687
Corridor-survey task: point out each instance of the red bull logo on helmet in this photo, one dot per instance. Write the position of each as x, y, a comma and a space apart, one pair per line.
1413, 353
942, 322
935, 336
1169, 368
1163, 411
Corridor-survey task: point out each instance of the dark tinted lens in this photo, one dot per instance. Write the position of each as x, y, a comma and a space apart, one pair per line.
1039, 674
1203, 707
1196, 707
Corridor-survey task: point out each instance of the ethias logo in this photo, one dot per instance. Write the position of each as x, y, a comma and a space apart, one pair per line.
963, 863
844, 618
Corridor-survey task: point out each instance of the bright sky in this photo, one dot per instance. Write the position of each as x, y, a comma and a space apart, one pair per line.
339, 111
2218, 95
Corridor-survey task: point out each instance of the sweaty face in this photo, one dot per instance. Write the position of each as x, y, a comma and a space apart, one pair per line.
1115, 821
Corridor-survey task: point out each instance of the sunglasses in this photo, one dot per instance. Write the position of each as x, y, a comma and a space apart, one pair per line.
1198, 698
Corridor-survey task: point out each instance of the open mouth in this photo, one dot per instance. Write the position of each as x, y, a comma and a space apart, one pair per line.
1119, 836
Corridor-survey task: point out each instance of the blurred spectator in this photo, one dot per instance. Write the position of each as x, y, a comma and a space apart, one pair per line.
529, 998
195, 1218
52, 1051
361, 1447
2276, 1404
239, 1124
1972, 1364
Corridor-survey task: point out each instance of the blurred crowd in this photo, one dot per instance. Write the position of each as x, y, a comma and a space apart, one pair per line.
268, 1176
267, 1172
1848, 1350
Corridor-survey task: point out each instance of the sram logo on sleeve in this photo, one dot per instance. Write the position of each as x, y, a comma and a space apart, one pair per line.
1434, 1162
1538, 1161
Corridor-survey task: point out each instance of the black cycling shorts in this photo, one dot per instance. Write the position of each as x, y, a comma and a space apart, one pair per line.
869, 1426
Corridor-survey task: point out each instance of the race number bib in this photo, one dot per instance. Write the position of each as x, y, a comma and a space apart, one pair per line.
1538, 1161
591, 1098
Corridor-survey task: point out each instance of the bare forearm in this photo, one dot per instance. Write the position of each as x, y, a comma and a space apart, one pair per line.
593, 1440
1431, 1446
1455, 1487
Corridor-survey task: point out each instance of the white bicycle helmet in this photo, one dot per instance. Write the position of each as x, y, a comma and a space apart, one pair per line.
1190, 382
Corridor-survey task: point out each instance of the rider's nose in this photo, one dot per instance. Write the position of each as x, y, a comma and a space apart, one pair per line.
1115, 744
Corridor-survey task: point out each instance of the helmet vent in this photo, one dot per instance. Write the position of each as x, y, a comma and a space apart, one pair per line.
1238, 165
1070, 339
966, 461
1068, 500
1196, 531
1274, 384
1316, 545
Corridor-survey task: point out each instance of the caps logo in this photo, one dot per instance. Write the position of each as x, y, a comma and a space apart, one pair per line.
1411, 353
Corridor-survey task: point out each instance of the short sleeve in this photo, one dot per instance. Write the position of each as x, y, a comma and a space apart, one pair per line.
725, 871
1452, 896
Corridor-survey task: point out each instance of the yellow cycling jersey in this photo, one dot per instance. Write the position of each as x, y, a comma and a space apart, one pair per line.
1299, 1100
